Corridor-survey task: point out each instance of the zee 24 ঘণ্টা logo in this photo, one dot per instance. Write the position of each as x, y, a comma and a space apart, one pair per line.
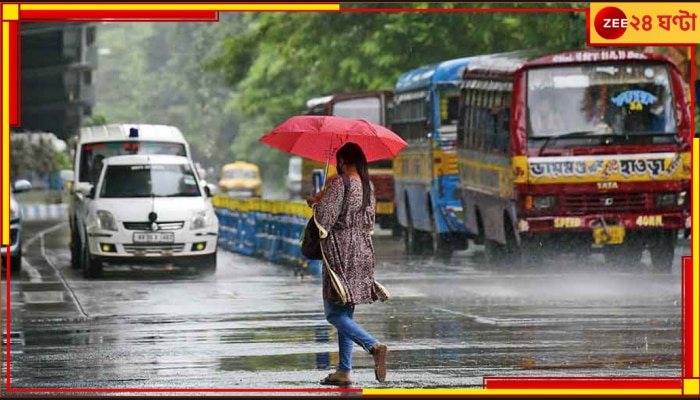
611, 22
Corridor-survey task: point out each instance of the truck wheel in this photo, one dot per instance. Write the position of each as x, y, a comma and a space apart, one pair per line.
626, 254
662, 249
441, 245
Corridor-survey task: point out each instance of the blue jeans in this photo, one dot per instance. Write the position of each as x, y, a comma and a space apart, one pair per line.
349, 332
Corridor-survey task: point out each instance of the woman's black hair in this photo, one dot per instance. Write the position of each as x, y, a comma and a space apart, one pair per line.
352, 154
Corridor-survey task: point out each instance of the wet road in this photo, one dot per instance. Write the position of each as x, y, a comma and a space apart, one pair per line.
257, 325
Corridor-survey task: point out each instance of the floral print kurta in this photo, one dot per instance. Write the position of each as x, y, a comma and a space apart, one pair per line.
346, 243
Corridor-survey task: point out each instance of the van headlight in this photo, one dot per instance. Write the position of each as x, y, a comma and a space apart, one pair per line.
200, 220
106, 221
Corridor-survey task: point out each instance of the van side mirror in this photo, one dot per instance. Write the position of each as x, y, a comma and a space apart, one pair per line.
91, 193
207, 191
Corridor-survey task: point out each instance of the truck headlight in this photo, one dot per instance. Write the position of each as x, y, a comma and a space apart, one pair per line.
106, 221
200, 220
666, 200
542, 202
682, 198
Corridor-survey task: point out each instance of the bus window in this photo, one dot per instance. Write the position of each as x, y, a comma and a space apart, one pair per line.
449, 111
368, 108
410, 116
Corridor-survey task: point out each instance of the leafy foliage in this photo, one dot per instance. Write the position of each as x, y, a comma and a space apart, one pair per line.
226, 84
283, 59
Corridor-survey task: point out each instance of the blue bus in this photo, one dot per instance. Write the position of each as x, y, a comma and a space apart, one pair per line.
424, 112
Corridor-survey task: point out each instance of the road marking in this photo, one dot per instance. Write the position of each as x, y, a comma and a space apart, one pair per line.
41, 233
475, 318
34, 275
58, 272
48, 297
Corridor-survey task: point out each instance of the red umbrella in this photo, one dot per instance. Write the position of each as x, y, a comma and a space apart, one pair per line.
319, 137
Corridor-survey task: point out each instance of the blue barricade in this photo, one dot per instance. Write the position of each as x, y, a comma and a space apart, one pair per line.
266, 229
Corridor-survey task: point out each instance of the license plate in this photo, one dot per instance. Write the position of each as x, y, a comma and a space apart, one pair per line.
154, 237
615, 235
385, 208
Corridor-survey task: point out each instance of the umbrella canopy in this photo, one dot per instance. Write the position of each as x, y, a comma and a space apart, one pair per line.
319, 137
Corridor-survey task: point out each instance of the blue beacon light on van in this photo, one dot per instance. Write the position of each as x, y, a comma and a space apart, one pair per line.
133, 133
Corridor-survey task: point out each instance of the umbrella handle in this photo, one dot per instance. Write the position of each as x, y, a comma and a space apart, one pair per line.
328, 162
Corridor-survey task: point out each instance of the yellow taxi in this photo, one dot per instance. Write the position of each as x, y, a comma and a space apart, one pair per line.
240, 179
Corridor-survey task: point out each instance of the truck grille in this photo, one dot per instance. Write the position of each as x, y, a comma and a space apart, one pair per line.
146, 226
154, 248
585, 203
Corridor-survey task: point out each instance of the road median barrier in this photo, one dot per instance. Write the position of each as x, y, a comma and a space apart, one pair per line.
266, 229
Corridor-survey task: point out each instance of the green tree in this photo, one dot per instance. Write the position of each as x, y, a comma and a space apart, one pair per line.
283, 59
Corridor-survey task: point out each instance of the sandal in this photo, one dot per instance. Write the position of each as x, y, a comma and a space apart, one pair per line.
379, 354
336, 380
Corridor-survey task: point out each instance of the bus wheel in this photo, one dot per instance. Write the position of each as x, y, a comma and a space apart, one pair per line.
442, 245
411, 240
513, 252
662, 249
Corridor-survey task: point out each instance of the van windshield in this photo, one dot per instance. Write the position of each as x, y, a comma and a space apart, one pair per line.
92, 154
149, 180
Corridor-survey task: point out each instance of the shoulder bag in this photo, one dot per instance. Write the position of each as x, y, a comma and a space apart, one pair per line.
311, 237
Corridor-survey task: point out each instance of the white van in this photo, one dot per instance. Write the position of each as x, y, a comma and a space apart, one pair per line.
96, 143
169, 218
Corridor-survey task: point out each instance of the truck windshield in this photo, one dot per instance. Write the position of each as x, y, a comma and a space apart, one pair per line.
600, 99
92, 154
149, 180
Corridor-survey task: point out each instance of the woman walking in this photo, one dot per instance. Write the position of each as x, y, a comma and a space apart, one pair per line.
344, 213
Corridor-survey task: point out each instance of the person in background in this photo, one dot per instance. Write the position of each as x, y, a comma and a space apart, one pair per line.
345, 217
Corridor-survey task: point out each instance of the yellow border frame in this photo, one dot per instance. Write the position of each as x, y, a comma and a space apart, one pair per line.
10, 12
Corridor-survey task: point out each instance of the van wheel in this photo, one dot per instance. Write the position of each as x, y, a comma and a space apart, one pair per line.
92, 267
662, 249
209, 265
